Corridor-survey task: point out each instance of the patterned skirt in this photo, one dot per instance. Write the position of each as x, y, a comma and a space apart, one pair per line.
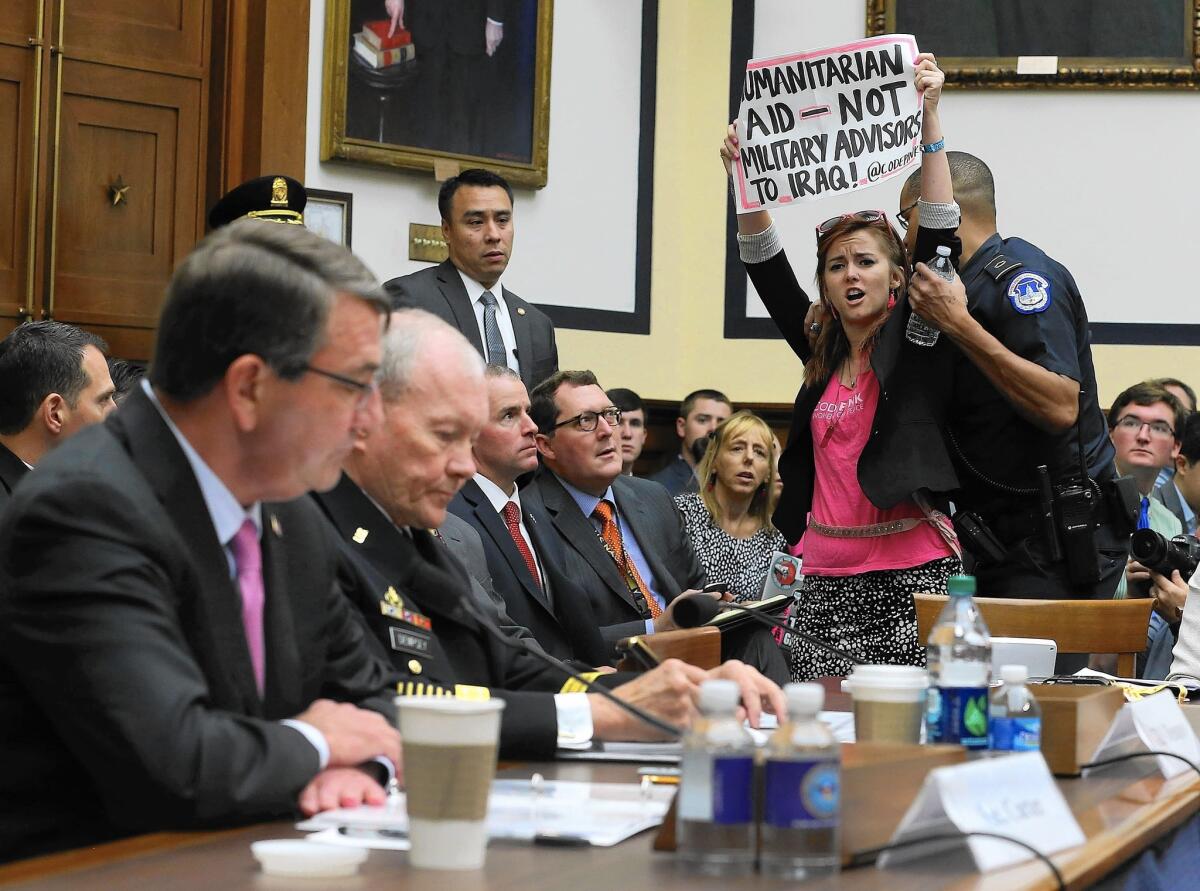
871, 615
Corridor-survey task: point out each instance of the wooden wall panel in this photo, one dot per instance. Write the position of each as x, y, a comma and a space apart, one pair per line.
112, 263
17, 97
19, 21
152, 31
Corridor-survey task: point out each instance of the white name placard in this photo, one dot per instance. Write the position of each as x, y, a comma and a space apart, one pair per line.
1153, 724
1013, 795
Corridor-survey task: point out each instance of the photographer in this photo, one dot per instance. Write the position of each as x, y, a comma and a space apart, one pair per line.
1144, 423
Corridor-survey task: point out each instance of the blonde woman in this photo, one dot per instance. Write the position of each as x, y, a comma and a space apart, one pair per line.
729, 519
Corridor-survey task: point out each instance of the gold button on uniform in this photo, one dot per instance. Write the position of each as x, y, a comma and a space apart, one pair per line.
414, 666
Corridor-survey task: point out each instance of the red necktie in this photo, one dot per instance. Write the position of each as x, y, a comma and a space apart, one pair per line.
247, 555
610, 534
512, 519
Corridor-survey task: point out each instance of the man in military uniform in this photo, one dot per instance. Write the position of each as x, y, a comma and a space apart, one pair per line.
1024, 398
415, 594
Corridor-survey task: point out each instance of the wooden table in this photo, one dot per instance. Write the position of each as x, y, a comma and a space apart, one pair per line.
1121, 811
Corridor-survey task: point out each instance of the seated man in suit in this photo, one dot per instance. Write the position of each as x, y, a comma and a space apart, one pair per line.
467, 290
56, 382
624, 540
174, 649
523, 552
414, 594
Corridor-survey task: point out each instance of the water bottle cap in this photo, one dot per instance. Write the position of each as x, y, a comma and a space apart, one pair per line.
804, 699
1014, 674
719, 696
943, 250
960, 585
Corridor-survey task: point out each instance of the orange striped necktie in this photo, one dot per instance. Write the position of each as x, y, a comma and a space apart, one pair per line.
610, 534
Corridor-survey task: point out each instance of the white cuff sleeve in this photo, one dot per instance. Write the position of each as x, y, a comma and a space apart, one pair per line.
938, 216
387, 765
761, 246
574, 714
314, 736
494, 22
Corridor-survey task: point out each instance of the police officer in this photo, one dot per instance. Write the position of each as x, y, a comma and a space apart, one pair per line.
275, 198
1024, 397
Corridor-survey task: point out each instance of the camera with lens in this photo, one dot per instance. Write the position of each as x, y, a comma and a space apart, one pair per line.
1162, 555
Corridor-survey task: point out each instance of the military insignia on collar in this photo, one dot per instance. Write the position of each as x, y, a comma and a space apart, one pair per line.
360, 535
1029, 293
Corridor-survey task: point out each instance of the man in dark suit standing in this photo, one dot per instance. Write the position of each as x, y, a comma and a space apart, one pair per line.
414, 593
174, 650
624, 540
523, 552
56, 382
467, 291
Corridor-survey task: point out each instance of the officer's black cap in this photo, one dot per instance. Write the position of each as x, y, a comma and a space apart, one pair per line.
279, 199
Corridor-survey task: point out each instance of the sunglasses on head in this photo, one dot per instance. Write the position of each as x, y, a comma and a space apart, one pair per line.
870, 217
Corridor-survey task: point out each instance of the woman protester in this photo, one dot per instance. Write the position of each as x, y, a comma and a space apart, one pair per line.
865, 447
729, 519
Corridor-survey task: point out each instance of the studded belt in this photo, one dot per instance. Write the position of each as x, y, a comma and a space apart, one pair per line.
873, 531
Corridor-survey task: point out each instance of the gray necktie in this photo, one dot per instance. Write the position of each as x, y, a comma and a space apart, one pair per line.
491, 330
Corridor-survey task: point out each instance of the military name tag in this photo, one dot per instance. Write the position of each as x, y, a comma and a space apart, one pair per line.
405, 640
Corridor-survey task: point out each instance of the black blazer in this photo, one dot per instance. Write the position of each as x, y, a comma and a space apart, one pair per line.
426, 576
127, 697
649, 511
566, 626
439, 290
906, 451
12, 470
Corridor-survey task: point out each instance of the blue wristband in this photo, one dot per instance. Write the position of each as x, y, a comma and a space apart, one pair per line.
933, 147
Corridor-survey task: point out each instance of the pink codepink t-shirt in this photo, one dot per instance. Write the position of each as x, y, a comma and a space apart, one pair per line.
841, 425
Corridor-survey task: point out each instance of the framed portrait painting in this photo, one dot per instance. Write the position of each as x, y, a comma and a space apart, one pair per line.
1052, 43
439, 85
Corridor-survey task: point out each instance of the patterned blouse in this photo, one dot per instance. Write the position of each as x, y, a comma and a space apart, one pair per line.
743, 563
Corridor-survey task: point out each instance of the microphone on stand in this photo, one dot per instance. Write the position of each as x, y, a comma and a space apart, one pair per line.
699, 609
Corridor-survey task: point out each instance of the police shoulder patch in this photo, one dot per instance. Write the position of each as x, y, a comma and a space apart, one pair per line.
1029, 293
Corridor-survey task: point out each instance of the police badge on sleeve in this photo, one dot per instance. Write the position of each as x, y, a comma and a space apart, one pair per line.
1029, 293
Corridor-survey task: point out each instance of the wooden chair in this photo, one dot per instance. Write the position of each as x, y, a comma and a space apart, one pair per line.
696, 646
1077, 626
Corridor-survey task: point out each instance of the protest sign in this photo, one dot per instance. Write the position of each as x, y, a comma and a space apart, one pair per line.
826, 121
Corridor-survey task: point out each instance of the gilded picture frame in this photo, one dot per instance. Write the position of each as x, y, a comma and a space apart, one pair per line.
454, 98
1016, 44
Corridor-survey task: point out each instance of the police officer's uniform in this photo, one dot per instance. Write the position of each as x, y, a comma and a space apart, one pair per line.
1032, 305
274, 198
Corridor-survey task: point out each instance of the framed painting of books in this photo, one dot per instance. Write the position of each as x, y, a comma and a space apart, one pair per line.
1052, 43
438, 85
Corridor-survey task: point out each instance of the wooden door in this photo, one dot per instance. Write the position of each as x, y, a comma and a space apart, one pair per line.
128, 165
21, 86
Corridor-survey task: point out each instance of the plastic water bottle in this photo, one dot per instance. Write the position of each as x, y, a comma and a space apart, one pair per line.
920, 331
960, 666
802, 791
1014, 716
715, 813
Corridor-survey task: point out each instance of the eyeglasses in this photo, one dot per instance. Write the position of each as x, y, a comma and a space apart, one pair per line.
587, 420
902, 217
870, 217
1134, 425
364, 389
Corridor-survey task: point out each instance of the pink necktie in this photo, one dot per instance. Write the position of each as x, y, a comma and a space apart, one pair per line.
247, 554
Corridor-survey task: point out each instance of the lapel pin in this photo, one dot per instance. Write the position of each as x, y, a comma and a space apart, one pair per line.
275, 527
360, 535
520, 310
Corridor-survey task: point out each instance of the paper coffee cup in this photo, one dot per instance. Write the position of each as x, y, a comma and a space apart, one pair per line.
889, 702
449, 761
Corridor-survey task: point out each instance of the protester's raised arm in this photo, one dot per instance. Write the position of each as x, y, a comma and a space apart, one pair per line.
748, 223
935, 169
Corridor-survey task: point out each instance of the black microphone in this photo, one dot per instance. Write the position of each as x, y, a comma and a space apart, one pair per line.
497, 634
699, 609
